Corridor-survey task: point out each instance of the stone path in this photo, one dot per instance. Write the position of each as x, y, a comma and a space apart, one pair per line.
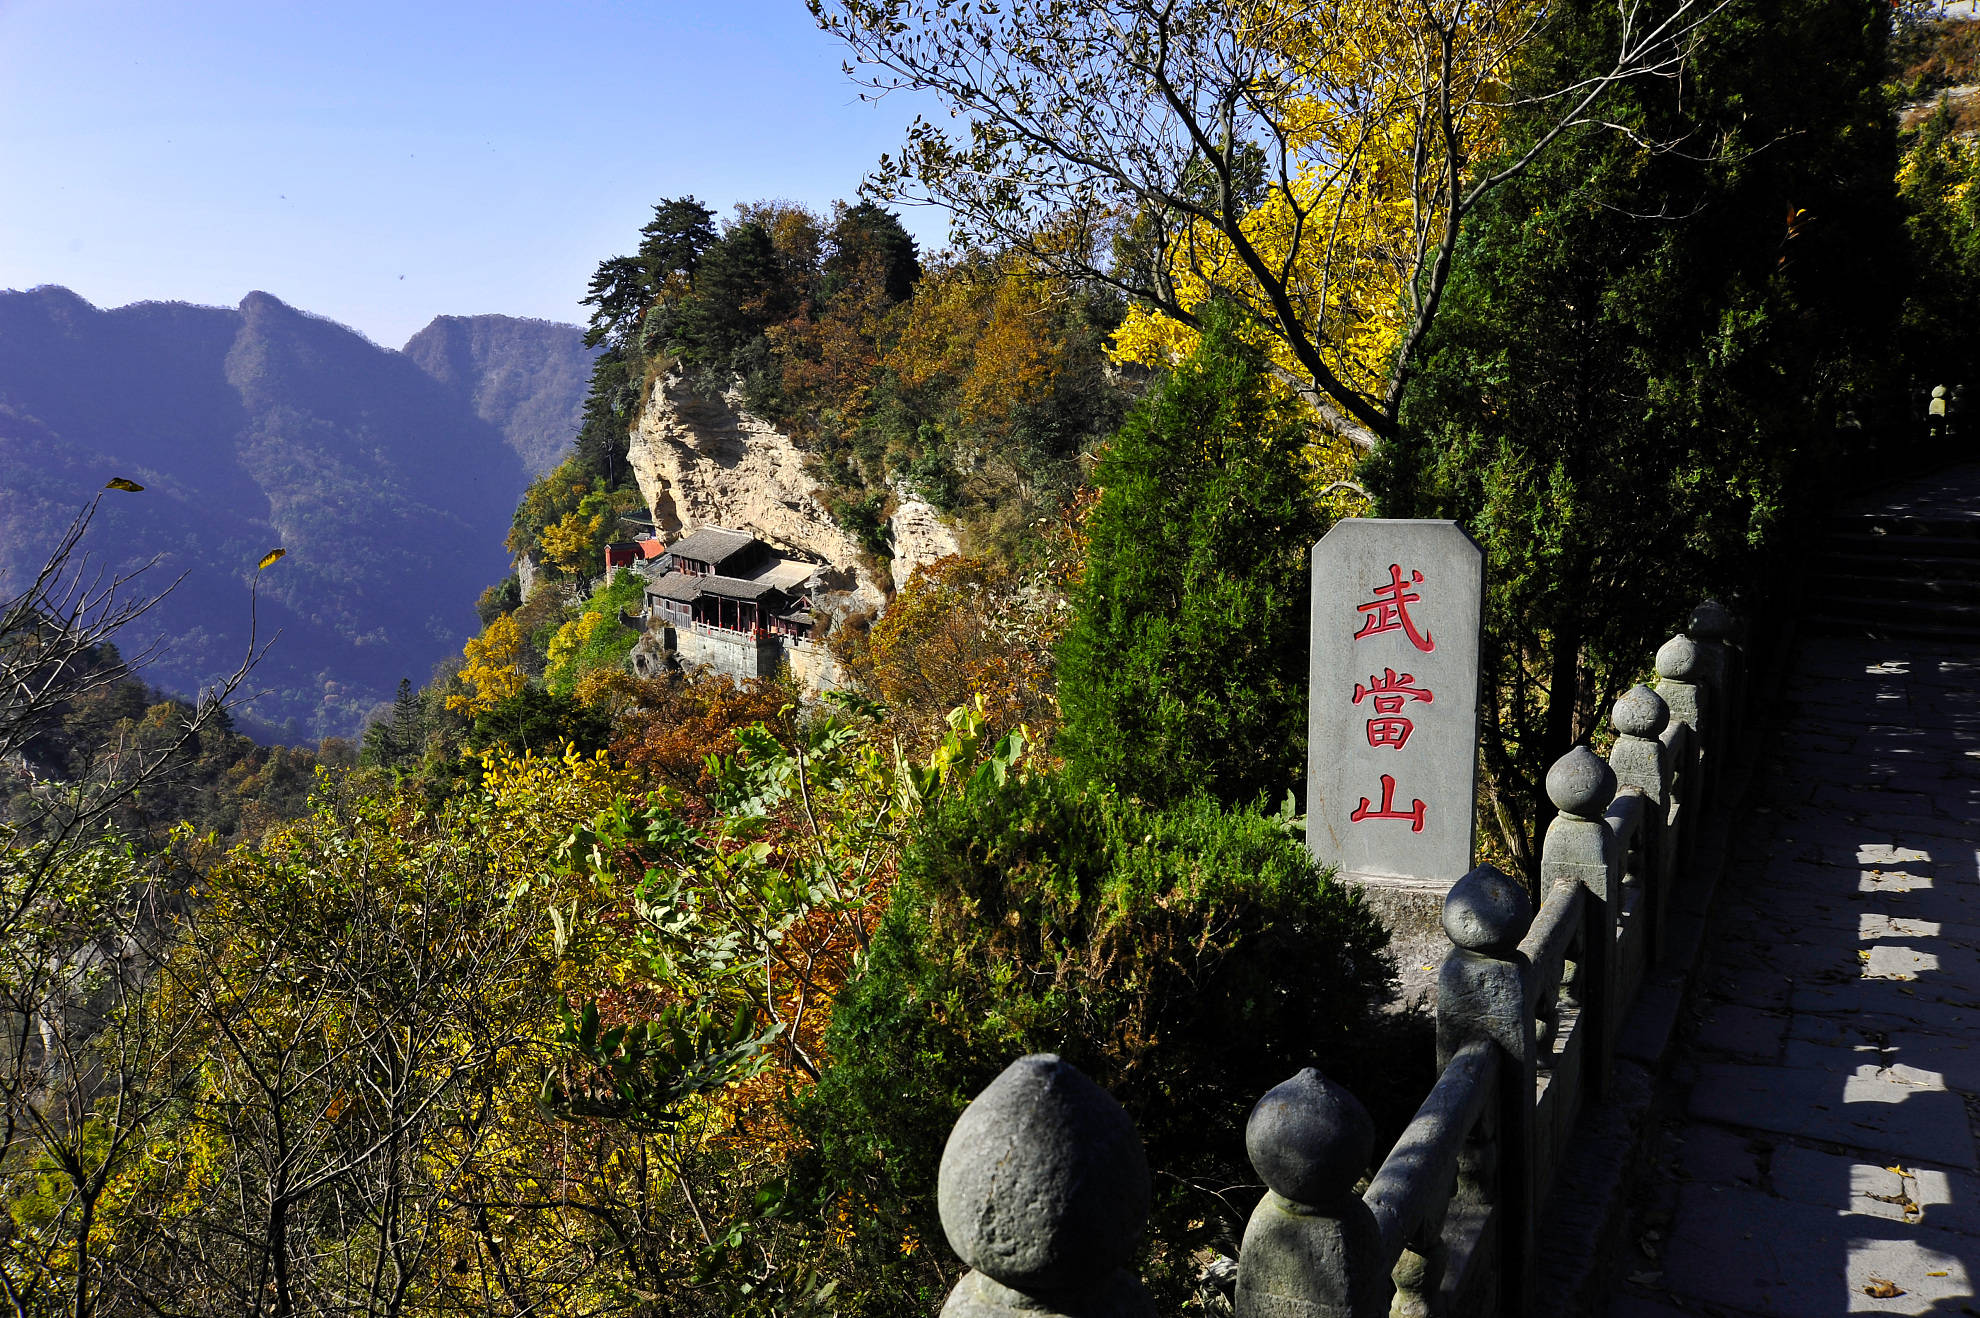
1820, 1155
1903, 562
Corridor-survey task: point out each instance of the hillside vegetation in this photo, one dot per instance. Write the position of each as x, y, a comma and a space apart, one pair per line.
526, 378
1939, 186
976, 383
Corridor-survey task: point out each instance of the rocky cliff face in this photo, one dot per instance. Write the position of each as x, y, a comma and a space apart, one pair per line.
707, 461
920, 537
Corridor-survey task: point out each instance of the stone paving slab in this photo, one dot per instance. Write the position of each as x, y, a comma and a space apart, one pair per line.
1926, 1000
1870, 1109
1821, 1157
1716, 1153
1743, 1031
1951, 494
1872, 918
1631, 1306
1954, 1059
1944, 1200
1759, 1253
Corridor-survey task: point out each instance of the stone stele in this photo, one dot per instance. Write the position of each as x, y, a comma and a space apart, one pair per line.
1393, 716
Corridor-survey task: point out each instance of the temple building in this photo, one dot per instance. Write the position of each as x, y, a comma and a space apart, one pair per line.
724, 599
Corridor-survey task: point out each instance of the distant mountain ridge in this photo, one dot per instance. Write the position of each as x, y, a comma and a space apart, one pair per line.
390, 478
527, 378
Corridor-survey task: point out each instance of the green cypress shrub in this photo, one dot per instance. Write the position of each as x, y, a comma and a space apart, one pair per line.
1186, 959
1184, 669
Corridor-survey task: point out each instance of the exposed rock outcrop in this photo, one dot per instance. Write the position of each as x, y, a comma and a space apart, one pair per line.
920, 537
708, 462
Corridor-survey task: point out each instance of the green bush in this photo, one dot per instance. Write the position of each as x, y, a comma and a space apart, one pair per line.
505, 596
864, 517
609, 642
1184, 669
536, 719
1186, 959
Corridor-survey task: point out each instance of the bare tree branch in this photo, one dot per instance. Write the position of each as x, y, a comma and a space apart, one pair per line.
1158, 132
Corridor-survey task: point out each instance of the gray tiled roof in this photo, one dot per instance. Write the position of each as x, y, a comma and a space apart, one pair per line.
735, 588
681, 587
676, 586
711, 544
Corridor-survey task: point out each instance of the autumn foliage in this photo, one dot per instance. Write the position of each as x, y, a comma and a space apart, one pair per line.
492, 671
665, 728
962, 628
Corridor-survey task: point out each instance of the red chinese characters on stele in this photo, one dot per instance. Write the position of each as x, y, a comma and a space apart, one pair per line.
1389, 693
1388, 811
1389, 610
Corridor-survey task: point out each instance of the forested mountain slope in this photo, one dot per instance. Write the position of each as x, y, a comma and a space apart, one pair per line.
527, 378
388, 477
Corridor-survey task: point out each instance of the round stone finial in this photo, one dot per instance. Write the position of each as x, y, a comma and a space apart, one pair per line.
1487, 912
1310, 1139
1043, 1185
1710, 621
1581, 783
1678, 659
1640, 712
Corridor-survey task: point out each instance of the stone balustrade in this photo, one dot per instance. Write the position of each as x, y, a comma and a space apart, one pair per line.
1044, 1189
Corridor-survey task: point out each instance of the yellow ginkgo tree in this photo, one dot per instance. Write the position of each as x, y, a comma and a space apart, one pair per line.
1311, 162
492, 672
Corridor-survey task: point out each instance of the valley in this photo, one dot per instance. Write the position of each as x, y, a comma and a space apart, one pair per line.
389, 477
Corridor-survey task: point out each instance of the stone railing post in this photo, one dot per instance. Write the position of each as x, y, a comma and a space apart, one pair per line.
1681, 685
1714, 628
1640, 760
1044, 1193
1580, 849
1681, 682
1482, 993
1312, 1247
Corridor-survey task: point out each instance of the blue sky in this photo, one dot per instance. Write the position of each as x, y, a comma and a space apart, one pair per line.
381, 164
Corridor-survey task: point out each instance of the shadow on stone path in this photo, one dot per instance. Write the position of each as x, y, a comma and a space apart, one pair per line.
1820, 1157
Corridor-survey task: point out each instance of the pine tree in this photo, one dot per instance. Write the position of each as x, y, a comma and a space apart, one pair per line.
408, 722
741, 288
673, 241
864, 234
399, 735
1184, 669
